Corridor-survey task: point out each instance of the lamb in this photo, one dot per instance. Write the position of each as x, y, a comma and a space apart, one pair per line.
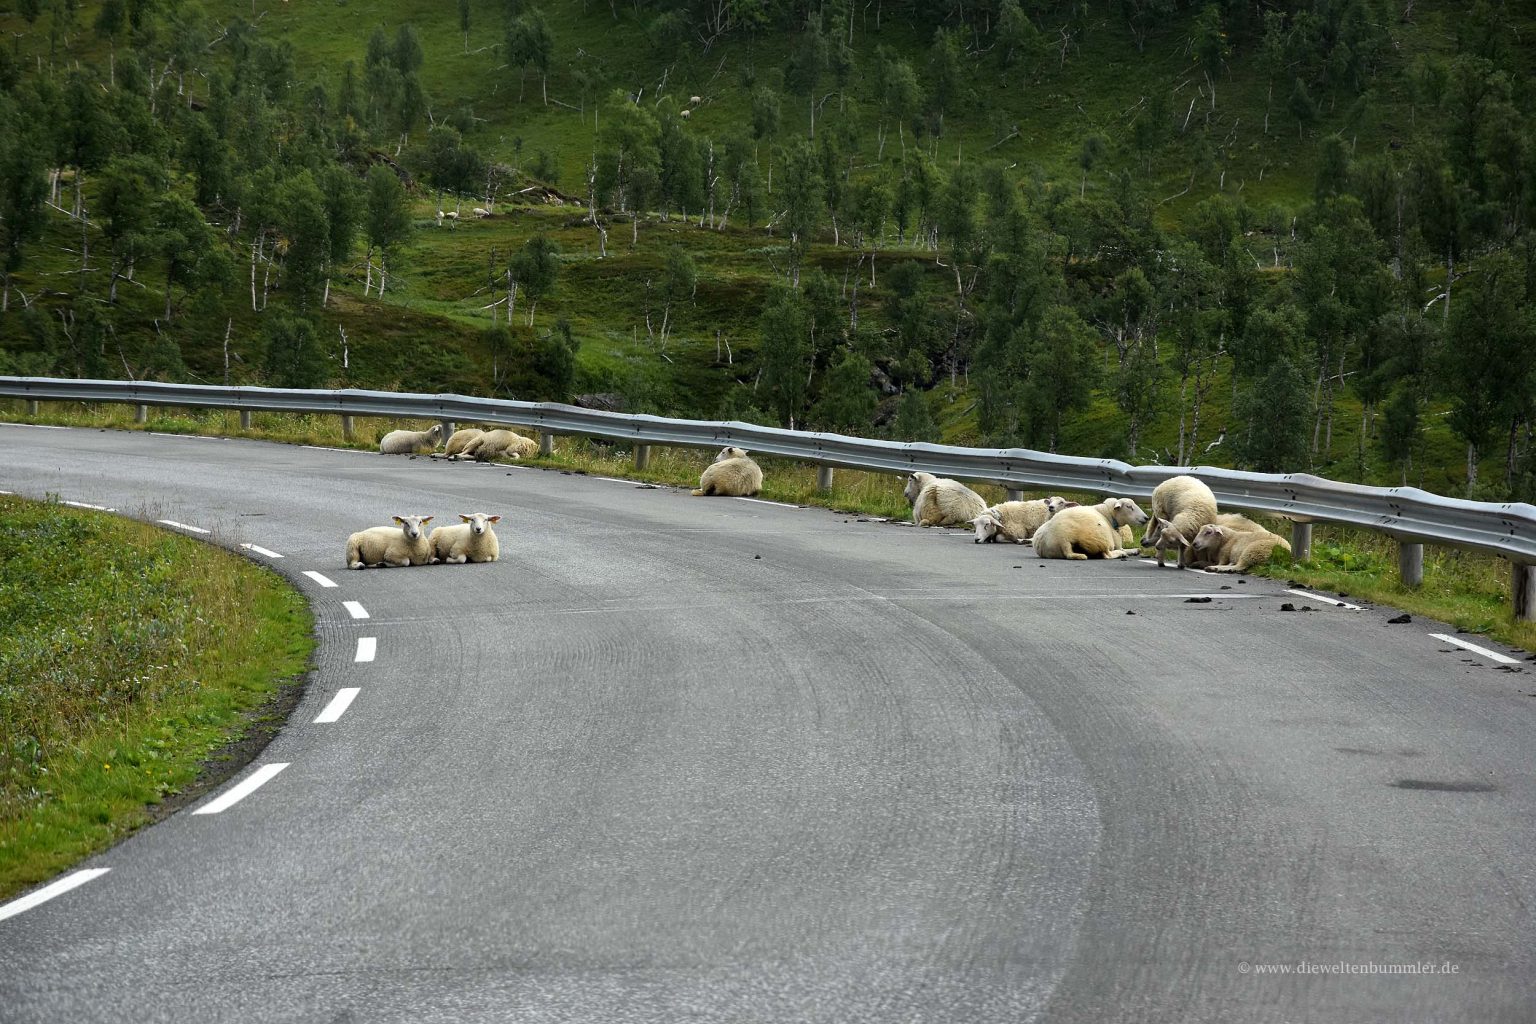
1016, 521
472, 540
1224, 549
458, 442
408, 442
494, 444
732, 474
1078, 533
940, 501
1181, 505
390, 546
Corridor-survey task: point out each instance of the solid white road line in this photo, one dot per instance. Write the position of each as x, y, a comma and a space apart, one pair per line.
367, 647
260, 778
356, 610
261, 550
323, 448
617, 480
81, 504
761, 501
324, 581
338, 704
190, 437
1502, 659
1327, 600
48, 892
183, 526
33, 426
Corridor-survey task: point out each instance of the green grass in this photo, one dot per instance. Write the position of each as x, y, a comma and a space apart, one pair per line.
1467, 589
130, 657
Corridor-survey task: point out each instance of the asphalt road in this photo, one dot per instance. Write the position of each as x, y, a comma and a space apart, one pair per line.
686, 759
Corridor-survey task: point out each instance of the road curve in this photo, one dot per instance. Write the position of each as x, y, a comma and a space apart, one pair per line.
717, 760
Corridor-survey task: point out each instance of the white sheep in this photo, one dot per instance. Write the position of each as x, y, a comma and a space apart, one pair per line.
1078, 533
694, 101
1181, 505
450, 215
684, 114
404, 544
458, 441
1224, 549
472, 540
481, 211
733, 474
1017, 521
495, 444
1120, 514
408, 442
940, 501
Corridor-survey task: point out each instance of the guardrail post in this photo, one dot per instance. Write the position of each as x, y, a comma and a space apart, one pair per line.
141, 414
642, 456
346, 426
245, 419
1015, 494
31, 407
448, 428
1301, 542
823, 478
546, 443
1410, 563
1522, 580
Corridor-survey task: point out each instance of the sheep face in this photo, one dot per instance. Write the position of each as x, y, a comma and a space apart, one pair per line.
987, 526
915, 484
1128, 513
411, 525
1055, 504
479, 522
1207, 543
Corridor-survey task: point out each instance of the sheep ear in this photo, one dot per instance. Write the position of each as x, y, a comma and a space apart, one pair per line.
463, 517
426, 519
493, 519
398, 520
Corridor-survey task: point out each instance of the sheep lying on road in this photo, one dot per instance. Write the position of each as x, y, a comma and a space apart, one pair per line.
395, 546
1017, 521
731, 475
940, 501
472, 540
1223, 549
495, 444
1181, 505
408, 442
458, 442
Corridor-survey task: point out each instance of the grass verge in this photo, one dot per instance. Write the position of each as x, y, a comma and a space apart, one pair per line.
1468, 589
136, 668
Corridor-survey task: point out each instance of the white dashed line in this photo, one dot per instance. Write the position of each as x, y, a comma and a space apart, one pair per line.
761, 501
35, 426
349, 451
7, 492
324, 581
356, 610
81, 504
48, 892
1326, 600
263, 775
1502, 659
617, 480
338, 705
183, 526
367, 647
261, 550
189, 437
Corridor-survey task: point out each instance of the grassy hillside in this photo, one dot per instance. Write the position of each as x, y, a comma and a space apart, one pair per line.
1095, 120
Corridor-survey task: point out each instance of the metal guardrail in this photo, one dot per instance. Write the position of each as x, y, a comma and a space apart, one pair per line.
1413, 516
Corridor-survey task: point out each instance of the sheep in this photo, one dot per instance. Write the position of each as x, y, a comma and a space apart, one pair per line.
472, 540
732, 474
391, 546
1078, 533
1223, 549
457, 443
482, 212
694, 101
408, 442
1120, 514
1016, 521
684, 114
450, 215
1181, 505
494, 444
940, 501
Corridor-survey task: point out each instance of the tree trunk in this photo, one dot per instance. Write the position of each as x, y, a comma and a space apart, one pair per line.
1471, 464
1183, 393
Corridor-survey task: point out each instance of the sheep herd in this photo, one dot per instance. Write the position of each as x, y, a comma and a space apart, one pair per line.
1184, 516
